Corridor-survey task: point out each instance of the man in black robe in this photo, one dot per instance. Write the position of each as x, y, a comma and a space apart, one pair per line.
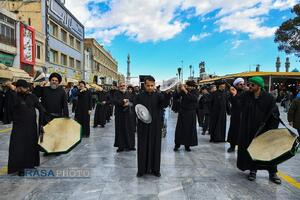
23, 146
205, 102
101, 108
258, 107
235, 119
84, 108
110, 105
124, 132
186, 130
53, 98
149, 135
132, 96
219, 108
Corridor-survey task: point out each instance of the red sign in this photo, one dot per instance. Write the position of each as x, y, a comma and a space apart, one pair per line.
27, 44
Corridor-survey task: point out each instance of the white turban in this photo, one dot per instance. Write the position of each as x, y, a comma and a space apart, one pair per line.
237, 81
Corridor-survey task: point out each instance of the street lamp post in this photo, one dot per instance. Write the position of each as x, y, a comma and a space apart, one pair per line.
179, 70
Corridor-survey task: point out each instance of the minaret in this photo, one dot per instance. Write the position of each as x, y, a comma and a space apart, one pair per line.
128, 70
287, 64
257, 68
278, 64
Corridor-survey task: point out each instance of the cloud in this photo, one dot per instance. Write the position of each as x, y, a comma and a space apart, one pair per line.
201, 36
159, 20
236, 44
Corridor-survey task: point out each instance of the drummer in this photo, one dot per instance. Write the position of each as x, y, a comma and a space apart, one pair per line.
124, 130
149, 135
23, 147
186, 128
53, 98
258, 107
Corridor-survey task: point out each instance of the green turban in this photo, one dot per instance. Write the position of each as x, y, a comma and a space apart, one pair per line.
257, 80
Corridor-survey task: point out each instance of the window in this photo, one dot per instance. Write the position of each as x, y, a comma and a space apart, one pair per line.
64, 59
38, 51
71, 62
78, 45
78, 64
53, 56
63, 35
7, 35
71, 39
53, 29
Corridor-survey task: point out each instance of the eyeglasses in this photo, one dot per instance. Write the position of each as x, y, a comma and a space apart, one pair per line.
251, 85
122, 85
241, 84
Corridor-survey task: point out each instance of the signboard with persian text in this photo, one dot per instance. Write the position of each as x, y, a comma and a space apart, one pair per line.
61, 14
27, 44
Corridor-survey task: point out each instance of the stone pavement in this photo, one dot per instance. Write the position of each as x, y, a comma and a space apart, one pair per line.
208, 172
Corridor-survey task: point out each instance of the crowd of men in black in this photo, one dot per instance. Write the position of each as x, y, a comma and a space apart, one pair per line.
249, 105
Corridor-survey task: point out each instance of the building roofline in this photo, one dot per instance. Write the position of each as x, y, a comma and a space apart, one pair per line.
8, 14
69, 12
102, 48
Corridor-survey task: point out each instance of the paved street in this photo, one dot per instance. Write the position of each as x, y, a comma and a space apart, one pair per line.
208, 172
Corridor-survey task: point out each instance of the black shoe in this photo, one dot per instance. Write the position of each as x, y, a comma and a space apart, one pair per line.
188, 149
157, 174
252, 176
94, 126
176, 147
132, 149
120, 150
139, 175
203, 133
21, 173
230, 150
102, 126
275, 179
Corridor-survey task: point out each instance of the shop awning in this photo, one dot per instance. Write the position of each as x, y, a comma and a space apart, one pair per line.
13, 73
72, 80
293, 75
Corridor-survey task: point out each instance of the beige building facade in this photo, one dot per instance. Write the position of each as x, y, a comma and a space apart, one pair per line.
104, 67
59, 35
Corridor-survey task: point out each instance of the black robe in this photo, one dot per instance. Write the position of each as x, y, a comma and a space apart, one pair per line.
186, 130
176, 101
109, 106
2, 97
124, 132
235, 120
23, 147
82, 111
254, 113
101, 109
219, 108
7, 106
149, 135
205, 102
54, 101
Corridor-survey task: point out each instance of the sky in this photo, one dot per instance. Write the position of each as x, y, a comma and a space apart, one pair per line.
230, 36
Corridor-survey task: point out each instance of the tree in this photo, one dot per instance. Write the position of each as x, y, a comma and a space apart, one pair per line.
288, 34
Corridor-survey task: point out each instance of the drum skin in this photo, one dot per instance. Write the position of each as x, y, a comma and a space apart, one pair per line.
61, 135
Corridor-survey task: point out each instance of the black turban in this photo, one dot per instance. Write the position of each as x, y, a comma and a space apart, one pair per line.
220, 82
22, 83
58, 76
